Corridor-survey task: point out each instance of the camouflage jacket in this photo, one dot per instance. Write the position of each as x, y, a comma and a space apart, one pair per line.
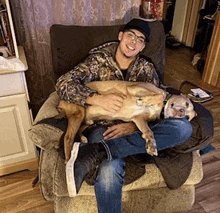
101, 65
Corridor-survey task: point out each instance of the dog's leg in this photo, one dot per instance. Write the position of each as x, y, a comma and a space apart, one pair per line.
136, 90
149, 90
75, 115
75, 118
80, 132
61, 113
147, 134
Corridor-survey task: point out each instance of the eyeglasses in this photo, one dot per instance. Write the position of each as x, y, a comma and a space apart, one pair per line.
131, 35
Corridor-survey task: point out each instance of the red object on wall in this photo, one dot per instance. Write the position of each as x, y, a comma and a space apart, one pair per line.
156, 8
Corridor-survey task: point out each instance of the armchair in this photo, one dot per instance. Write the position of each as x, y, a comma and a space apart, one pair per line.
150, 191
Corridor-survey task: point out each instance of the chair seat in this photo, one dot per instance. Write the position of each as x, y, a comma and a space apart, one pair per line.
147, 194
152, 179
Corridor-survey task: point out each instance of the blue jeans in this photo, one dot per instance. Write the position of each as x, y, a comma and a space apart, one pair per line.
108, 186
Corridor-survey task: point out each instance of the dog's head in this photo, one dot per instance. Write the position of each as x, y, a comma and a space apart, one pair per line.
179, 106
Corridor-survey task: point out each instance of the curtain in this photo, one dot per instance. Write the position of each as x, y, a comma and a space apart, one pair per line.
33, 19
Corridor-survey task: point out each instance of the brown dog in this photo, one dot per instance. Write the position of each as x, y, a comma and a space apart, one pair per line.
143, 103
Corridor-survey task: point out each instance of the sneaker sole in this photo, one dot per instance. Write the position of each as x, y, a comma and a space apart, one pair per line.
71, 186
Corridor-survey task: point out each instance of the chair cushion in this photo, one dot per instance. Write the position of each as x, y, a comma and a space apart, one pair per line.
53, 176
44, 135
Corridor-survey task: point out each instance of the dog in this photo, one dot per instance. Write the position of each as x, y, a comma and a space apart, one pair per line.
143, 103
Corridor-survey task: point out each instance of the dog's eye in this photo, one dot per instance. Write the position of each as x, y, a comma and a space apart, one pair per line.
172, 105
187, 104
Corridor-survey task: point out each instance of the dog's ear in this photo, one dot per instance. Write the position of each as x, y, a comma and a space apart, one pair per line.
186, 97
138, 91
181, 94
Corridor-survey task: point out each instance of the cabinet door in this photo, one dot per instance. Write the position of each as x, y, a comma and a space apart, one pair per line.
15, 121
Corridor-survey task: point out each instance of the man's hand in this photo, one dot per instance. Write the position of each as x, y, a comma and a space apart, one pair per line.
119, 130
111, 102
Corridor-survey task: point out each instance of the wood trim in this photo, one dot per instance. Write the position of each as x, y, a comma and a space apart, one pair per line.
187, 21
164, 9
31, 164
191, 22
6, 2
218, 82
211, 74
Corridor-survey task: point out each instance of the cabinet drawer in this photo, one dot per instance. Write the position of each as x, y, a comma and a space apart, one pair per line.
12, 83
15, 121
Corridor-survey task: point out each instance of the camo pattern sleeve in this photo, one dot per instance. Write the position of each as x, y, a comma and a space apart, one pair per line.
71, 86
144, 71
151, 74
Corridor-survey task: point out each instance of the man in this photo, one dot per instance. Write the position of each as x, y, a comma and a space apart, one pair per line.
110, 142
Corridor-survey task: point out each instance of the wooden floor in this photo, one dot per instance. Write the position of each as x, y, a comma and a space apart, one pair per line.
178, 69
18, 196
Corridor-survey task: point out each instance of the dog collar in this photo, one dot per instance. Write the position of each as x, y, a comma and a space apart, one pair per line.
168, 96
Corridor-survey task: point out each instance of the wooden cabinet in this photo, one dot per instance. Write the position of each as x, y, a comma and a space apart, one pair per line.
17, 152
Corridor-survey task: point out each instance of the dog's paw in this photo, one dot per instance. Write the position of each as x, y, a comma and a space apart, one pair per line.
151, 147
152, 151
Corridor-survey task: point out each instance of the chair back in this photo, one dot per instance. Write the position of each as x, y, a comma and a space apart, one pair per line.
71, 44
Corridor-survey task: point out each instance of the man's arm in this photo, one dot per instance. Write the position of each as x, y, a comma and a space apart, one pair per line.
111, 102
71, 86
120, 130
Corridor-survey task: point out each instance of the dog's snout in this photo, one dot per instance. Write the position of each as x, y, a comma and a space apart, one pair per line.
187, 117
181, 110
181, 113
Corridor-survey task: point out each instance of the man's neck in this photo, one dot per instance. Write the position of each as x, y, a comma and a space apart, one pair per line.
123, 61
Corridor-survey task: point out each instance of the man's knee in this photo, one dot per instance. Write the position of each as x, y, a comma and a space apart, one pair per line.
183, 128
111, 173
113, 167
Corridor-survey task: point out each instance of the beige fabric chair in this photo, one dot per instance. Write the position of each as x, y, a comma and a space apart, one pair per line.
147, 194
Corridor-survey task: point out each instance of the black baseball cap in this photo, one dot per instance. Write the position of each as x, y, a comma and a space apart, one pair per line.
140, 25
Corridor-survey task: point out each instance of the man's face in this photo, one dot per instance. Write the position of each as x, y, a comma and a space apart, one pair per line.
131, 43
